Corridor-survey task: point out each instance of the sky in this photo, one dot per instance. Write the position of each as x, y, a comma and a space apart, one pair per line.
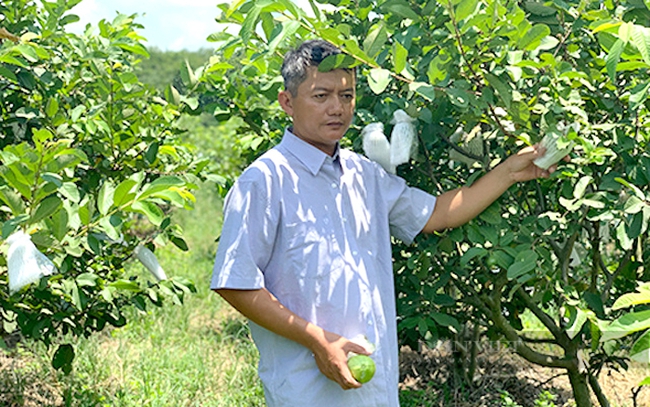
169, 25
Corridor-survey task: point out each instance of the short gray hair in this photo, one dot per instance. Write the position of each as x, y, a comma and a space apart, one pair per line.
295, 64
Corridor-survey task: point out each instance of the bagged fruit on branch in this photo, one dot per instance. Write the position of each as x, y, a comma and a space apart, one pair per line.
149, 260
376, 146
402, 138
25, 263
556, 145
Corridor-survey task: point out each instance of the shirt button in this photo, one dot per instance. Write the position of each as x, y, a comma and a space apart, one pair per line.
354, 252
334, 185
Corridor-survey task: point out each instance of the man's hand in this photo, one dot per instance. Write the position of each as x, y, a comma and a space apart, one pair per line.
330, 350
521, 167
332, 360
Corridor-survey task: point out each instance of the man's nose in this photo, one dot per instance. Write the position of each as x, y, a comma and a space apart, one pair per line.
336, 106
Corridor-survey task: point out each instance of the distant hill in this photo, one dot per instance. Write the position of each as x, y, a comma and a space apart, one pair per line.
163, 67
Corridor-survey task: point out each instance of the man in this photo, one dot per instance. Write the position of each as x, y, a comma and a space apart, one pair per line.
305, 250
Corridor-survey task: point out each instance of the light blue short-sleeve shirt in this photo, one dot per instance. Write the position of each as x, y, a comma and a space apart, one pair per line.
315, 231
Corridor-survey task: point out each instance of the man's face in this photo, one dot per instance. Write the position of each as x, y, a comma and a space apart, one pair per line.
322, 108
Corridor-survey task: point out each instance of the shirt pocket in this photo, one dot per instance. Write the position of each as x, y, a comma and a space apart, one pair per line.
306, 249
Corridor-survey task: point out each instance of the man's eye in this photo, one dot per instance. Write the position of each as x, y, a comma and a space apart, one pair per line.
348, 96
319, 95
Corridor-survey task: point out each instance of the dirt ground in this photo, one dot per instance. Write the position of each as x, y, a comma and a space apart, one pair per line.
500, 370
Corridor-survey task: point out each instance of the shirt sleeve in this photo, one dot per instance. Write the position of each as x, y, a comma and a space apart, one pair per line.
410, 209
247, 238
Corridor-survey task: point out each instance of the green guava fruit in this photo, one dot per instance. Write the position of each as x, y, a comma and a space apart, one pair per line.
362, 368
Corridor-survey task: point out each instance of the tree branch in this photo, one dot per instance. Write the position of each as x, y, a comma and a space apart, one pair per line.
610, 279
598, 391
559, 335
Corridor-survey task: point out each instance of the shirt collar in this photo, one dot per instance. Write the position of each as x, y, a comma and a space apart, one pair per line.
310, 156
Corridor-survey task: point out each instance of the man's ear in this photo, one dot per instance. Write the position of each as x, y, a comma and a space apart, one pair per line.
286, 102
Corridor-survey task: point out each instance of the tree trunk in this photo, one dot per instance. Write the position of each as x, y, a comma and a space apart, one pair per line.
580, 387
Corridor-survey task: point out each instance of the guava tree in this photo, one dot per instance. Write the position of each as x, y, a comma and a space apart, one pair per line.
483, 79
91, 167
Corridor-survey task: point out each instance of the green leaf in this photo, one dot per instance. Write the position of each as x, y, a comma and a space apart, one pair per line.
533, 37
579, 320
7, 73
437, 71
339, 61
87, 211
639, 94
525, 262
634, 205
287, 30
187, 75
179, 242
458, 97
636, 298
446, 320
134, 48
641, 39
76, 113
105, 197
234, 6
150, 210
375, 40
12, 200
400, 54
59, 224
126, 285
160, 184
52, 107
504, 92
612, 59
87, 280
63, 358
640, 350
622, 236
626, 324
423, 89
465, 9
503, 259
378, 80
250, 22
581, 186
172, 96
124, 192
28, 52
400, 8
46, 208
637, 192
471, 254
538, 8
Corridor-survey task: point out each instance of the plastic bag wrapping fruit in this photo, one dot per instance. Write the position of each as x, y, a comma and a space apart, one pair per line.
149, 260
402, 138
556, 147
25, 263
376, 145
400, 148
